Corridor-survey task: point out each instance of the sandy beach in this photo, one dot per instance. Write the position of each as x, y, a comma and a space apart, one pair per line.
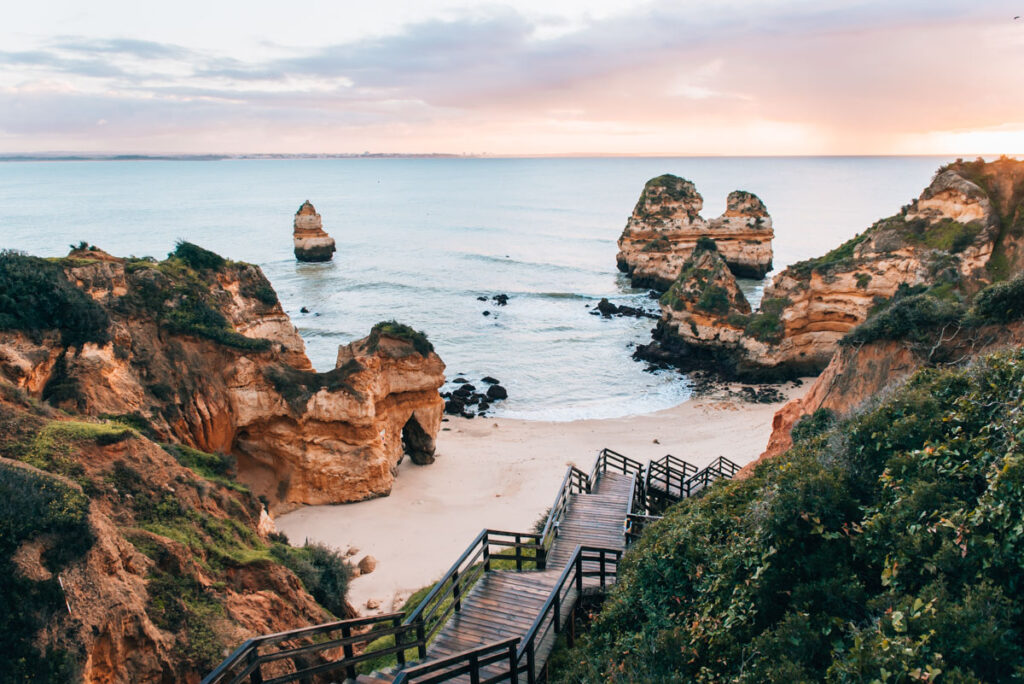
503, 474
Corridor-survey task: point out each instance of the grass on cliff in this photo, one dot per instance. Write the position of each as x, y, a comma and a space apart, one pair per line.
182, 293
36, 296
36, 507
400, 331
888, 548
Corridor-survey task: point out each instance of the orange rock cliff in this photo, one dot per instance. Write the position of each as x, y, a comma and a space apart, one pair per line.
206, 357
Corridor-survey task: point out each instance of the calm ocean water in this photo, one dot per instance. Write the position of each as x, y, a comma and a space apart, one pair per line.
420, 239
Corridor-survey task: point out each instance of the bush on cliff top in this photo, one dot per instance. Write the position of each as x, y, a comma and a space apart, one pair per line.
35, 296
889, 548
196, 257
403, 332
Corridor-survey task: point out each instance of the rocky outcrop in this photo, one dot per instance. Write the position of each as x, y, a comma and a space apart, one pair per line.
664, 228
168, 573
312, 243
954, 237
859, 374
206, 357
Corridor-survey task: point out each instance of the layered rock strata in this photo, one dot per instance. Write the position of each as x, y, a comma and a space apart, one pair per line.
958, 235
208, 358
311, 242
666, 223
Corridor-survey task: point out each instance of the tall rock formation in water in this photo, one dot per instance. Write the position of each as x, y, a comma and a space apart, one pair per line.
666, 224
311, 242
965, 230
201, 352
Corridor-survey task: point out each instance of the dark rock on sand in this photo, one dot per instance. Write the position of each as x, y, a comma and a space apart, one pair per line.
497, 392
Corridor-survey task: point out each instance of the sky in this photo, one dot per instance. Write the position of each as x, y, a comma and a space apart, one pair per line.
530, 77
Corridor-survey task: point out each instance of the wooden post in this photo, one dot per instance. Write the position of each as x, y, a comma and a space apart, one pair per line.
474, 668
487, 552
579, 574
456, 595
256, 677
601, 561
519, 553
399, 640
421, 639
513, 666
350, 670
558, 610
531, 677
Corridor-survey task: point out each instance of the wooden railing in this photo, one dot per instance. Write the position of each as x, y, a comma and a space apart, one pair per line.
666, 479
446, 596
575, 482
612, 460
307, 649
562, 605
720, 468
500, 657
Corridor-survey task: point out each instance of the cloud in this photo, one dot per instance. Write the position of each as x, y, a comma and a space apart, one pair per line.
833, 69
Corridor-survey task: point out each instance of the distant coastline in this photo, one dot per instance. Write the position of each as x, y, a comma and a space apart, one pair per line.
57, 156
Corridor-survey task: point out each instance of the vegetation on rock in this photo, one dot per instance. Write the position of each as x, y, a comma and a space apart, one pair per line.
888, 548
400, 331
36, 296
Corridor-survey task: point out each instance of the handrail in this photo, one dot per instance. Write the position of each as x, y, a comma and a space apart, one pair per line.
433, 611
250, 660
574, 482
550, 615
467, 662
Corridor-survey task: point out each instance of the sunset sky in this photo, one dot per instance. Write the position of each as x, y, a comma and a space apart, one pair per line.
533, 77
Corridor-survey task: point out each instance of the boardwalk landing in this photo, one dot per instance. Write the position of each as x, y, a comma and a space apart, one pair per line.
504, 603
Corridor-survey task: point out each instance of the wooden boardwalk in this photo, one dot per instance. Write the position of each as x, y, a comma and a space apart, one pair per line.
504, 603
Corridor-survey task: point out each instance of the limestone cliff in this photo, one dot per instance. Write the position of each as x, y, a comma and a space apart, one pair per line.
962, 232
126, 565
858, 374
311, 242
200, 350
666, 223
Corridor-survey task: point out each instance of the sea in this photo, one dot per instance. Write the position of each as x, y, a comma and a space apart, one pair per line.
422, 240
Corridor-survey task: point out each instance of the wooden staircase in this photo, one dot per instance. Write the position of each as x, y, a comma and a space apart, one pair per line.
485, 620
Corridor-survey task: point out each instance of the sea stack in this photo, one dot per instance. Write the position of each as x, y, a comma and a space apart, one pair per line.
312, 243
666, 224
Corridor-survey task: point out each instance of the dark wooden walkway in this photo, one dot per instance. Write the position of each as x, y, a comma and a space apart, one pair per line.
504, 603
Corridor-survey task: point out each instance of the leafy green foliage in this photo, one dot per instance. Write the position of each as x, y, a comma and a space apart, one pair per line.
889, 548
193, 316
1000, 303
196, 257
913, 317
36, 296
219, 468
401, 331
36, 507
322, 570
705, 244
813, 425
714, 299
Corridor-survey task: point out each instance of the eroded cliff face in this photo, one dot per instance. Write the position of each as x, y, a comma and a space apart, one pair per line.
666, 224
952, 237
173, 572
208, 358
859, 374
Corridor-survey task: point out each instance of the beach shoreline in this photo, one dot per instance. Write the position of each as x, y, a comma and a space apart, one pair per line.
503, 473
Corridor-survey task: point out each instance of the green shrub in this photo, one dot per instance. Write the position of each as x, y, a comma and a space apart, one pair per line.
298, 387
659, 244
841, 255
812, 425
322, 570
889, 548
705, 244
36, 506
714, 299
36, 296
403, 332
193, 316
196, 257
913, 318
1000, 302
